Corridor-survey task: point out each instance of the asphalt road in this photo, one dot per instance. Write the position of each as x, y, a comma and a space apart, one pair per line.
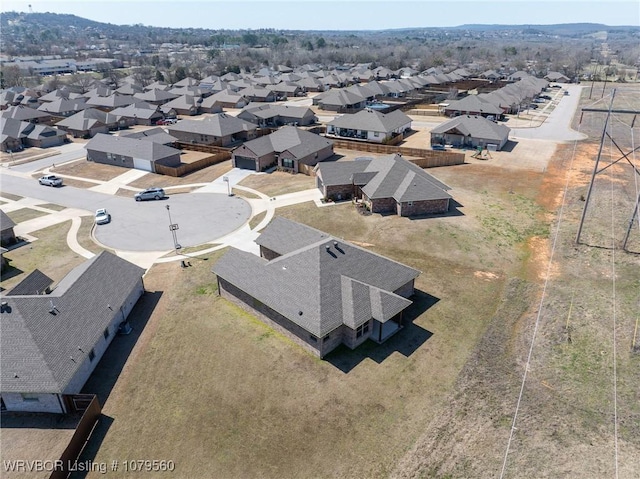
144, 226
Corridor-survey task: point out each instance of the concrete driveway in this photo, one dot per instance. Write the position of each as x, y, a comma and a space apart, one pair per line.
144, 226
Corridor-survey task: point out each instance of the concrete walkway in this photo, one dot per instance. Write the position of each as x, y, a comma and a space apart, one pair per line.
121, 181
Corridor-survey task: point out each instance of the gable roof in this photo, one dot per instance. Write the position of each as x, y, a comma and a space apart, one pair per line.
475, 127
372, 120
23, 113
474, 103
5, 222
87, 119
130, 147
42, 351
300, 143
218, 125
322, 284
36, 282
156, 135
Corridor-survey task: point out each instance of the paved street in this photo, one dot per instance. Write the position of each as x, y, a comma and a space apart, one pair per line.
144, 226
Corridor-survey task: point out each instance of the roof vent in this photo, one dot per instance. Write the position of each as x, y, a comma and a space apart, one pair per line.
299, 313
335, 244
4, 306
328, 248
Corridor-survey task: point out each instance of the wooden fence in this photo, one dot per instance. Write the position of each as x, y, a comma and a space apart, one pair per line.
186, 168
82, 433
427, 158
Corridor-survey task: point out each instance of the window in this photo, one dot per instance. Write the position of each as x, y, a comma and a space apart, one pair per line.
362, 330
376, 134
409, 203
92, 355
106, 333
327, 337
287, 163
30, 397
313, 338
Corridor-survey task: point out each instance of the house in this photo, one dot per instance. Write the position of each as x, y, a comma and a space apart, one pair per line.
187, 105
52, 342
388, 184
130, 152
7, 235
289, 148
223, 99
25, 113
370, 125
256, 93
141, 114
340, 100
219, 130
156, 96
18, 134
156, 135
473, 105
556, 77
277, 115
87, 123
63, 108
317, 290
111, 102
471, 132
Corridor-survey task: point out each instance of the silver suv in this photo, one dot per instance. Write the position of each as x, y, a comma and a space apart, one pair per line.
150, 194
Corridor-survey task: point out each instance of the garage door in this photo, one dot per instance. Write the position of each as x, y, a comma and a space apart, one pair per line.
140, 164
245, 163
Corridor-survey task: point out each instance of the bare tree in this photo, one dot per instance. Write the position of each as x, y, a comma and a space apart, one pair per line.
82, 81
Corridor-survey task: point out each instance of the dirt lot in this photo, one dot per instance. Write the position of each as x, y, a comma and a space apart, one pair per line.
89, 169
204, 175
279, 183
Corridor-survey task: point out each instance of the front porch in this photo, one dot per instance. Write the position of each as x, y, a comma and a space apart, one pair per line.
380, 332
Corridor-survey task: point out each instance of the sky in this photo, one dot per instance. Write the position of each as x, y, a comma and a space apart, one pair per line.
337, 15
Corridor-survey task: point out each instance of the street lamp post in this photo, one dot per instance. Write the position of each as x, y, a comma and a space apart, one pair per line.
173, 227
226, 180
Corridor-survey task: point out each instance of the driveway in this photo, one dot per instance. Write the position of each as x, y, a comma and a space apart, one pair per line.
557, 127
144, 226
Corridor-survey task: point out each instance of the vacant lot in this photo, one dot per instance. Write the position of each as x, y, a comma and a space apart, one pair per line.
205, 175
278, 183
89, 169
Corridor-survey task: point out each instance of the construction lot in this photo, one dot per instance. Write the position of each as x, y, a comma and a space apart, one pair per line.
504, 290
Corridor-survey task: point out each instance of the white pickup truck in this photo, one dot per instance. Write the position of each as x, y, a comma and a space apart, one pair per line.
50, 180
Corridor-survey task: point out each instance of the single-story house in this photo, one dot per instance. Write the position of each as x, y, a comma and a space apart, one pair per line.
317, 290
223, 99
156, 135
7, 235
51, 343
289, 148
388, 184
88, 123
130, 152
137, 115
471, 132
255, 93
25, 113
473, 105
369, 125
19, 134
63, 108
111, 102
556, 77
187, 105
340, 100
277, 115
219, 130
156, 96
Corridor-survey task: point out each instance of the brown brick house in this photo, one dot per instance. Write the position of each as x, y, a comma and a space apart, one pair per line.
387, 184
318, 290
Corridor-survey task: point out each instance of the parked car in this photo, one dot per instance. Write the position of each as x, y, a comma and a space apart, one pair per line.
102, 217
438, 147
167, 121
50, 180
150, 194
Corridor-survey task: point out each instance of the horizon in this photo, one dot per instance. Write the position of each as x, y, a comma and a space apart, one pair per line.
357, 15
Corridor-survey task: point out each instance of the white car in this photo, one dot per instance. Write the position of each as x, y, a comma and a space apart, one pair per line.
102, 217
50, 180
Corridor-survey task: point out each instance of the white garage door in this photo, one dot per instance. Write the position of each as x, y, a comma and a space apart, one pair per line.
140, 164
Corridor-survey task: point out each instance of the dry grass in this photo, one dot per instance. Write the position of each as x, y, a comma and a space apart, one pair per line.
255, 221
244, 194
278, 183
52, 206
79, 183
9, 196
25, 214
50, 254
264, 415
84, 235
206, 175
89, 169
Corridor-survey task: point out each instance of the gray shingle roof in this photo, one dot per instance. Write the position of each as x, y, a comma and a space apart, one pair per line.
372, 120
475, 127
130, 147
299, 143
321, 285
474, 103
5, 222
218, 125
385, 177
37, 346
35, 283
87, 119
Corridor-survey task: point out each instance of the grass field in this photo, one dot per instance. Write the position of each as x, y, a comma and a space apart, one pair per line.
50, 254
278, 183
24, 214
